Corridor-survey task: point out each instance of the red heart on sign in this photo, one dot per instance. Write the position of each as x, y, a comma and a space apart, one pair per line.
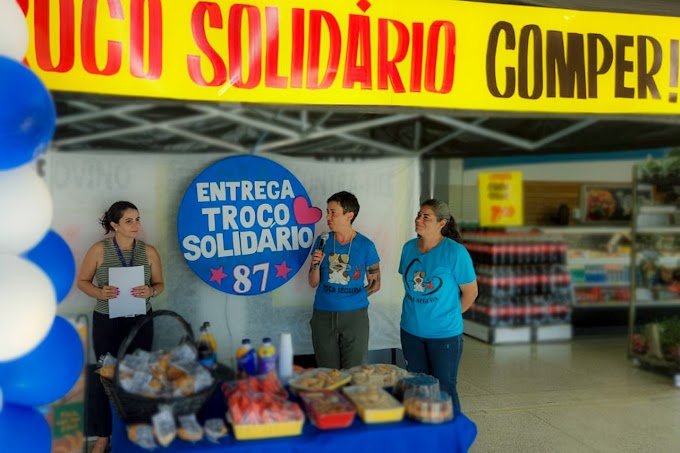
304, 213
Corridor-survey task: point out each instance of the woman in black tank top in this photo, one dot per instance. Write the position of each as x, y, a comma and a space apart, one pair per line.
122, 249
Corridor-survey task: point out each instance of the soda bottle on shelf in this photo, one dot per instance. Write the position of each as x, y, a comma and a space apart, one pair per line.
246, 364
207, 346
266, 357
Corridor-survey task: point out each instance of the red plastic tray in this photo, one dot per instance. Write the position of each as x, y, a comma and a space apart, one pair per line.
328, 409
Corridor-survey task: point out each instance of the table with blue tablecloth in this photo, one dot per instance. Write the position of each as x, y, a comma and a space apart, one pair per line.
405, 436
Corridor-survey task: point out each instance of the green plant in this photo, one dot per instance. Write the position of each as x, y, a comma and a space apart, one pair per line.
670, 332
673, 168
651, 169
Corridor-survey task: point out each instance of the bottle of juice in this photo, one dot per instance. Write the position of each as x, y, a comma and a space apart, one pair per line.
207, 347
266, 357
246, 360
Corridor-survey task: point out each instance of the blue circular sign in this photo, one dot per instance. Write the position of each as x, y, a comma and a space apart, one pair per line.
245, 225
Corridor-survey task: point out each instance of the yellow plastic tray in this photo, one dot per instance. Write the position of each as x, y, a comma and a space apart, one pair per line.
372, 415
251, 432
381, 415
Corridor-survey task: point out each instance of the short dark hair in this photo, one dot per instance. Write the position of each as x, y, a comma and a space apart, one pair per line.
442, 212
114, 213
347, 201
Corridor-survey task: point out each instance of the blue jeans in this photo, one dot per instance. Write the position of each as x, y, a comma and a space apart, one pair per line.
438, 357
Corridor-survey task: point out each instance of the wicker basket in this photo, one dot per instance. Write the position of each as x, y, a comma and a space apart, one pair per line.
132, 408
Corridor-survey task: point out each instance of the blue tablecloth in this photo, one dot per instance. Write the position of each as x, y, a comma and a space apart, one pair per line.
406, 436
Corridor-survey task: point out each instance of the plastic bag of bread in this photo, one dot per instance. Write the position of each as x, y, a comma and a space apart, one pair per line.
107, 366
142, 434
137, 361
215, 429
189, 429
164, 428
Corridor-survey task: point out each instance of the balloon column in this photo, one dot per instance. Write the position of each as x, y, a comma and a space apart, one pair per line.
41, 354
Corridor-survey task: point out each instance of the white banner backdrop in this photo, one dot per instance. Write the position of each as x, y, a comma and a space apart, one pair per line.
84, 185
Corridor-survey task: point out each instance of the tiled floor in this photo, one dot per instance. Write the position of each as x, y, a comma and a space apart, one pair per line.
572, 397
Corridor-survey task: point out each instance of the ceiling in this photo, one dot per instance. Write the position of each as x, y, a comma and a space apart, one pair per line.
110, 123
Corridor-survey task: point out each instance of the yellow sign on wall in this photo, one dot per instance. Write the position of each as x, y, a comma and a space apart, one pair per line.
501, 202
429, 53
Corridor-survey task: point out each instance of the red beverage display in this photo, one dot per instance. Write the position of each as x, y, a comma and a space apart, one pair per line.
522, 278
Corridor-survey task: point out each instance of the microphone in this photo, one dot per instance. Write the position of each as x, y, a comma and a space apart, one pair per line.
322, 241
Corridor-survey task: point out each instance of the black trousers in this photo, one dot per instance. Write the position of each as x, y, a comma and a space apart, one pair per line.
340, 338
107, 336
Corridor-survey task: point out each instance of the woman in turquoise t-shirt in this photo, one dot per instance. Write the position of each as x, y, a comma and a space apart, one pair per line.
439, 284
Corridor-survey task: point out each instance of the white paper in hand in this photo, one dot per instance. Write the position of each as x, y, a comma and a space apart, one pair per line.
126, 278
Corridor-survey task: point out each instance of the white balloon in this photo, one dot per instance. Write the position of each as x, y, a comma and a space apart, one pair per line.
25, 209
28, 304
13, 30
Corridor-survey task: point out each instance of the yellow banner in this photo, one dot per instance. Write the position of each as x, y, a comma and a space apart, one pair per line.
501, 202
429, 53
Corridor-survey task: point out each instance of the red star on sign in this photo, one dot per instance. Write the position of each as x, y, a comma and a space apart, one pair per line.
282, 270
217, 275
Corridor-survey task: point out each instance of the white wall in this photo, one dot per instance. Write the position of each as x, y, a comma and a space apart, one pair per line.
83, 185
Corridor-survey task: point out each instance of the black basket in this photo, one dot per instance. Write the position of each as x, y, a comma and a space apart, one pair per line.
133, 408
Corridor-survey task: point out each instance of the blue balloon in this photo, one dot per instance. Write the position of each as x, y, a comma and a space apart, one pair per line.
48, 372
27, 115
54, 257
23, 429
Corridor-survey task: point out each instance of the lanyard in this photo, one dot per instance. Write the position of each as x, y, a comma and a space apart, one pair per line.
120, 254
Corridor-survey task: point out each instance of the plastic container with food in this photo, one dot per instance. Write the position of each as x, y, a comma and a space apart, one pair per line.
328, 409
266, 383
428, 408
320, 379
426, 385
374, 404
260, 416
382, 374
268, 430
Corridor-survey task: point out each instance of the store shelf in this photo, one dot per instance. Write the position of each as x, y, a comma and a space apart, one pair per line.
599, 261
555, 332
601, 284
585, 230
658, 303
523, 334
497, 335
659, 230
657, 362
658, 209
601, 305
653, 283
669, 261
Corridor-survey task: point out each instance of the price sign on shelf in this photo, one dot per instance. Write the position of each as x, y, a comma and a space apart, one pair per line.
500, 199
245, 225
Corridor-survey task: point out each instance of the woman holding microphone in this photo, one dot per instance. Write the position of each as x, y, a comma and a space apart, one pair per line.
345, 271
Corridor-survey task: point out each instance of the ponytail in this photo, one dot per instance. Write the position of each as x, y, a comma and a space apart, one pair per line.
451, 230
